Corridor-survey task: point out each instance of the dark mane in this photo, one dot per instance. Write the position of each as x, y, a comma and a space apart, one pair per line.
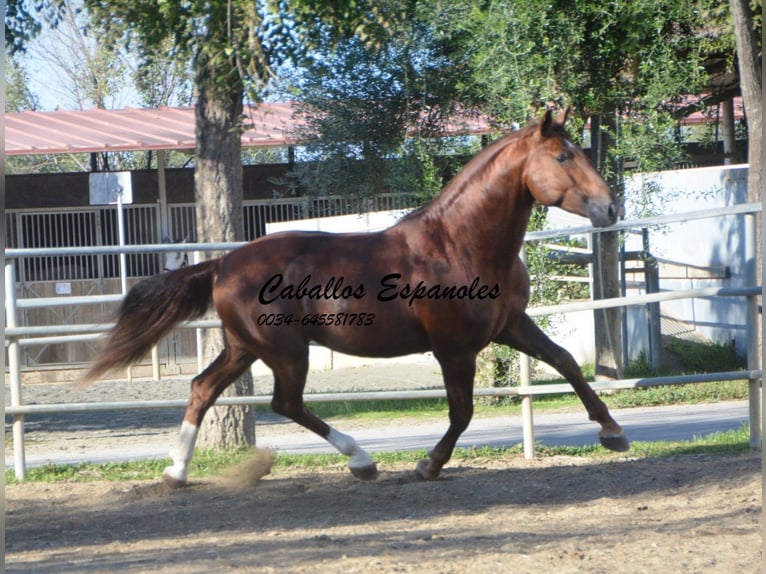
474, 168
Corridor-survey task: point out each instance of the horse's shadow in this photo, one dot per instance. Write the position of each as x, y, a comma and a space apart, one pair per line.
338, 506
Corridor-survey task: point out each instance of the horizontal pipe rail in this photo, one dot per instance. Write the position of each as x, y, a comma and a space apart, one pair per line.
537, 390
741, 209
628, 224
701, 293
704, 292
74, 300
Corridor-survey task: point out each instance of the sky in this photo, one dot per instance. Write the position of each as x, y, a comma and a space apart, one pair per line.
49, 80
53, 89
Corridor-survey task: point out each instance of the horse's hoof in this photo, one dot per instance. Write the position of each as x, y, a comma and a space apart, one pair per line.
173, 481
424, 471
369, 472
616, 443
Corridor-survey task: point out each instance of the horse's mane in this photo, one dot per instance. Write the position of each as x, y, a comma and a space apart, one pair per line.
474, 168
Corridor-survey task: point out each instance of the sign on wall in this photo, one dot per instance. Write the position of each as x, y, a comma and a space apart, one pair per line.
109, 188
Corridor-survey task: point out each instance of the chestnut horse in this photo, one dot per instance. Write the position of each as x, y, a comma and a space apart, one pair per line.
446, 278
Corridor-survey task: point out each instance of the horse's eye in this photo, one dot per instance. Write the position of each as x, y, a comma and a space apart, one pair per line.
562, 158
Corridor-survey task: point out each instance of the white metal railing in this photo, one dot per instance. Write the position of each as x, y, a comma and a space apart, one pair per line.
17, 336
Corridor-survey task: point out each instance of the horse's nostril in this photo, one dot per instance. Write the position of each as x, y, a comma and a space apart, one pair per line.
612, 212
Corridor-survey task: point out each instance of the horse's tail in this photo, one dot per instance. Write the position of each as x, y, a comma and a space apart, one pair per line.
150, 310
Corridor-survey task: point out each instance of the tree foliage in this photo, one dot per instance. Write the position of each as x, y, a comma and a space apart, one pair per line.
24, 20
372, 114
594, 55
18, 96
635, 60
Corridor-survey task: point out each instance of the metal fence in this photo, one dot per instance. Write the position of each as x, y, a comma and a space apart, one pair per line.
96, 226
18, 337
257, 213
95, 271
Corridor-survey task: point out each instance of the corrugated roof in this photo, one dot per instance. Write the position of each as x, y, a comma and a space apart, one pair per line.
132, 129
136, 129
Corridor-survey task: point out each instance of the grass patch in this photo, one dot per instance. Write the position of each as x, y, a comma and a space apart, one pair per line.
679, 394
707, 357
208, 464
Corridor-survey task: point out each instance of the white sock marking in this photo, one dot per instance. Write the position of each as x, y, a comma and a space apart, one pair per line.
182, 452
348, 446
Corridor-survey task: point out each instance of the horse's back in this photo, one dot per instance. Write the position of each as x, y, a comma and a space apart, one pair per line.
293, 287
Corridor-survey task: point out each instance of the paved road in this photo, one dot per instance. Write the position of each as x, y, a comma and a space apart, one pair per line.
641, 424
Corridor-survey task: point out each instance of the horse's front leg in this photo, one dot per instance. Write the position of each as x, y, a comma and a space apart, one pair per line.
527, 337
458, 372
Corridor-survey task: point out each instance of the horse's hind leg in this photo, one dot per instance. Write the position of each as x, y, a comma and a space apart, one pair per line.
289, 382
458, 372
528, 338
205, 389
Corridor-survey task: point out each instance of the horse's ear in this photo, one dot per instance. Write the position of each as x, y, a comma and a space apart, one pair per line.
547, 123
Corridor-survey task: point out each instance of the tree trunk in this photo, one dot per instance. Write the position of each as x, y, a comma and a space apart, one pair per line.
218, 189
750, 80
730, 152
607, 322
750, 83
606, 278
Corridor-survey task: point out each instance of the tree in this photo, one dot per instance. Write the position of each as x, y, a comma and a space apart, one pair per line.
749, 64
373, 116
88, 71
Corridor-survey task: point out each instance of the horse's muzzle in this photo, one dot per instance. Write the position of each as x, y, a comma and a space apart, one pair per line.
605, 214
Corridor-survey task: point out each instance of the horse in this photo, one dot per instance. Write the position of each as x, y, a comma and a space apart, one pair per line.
445, 278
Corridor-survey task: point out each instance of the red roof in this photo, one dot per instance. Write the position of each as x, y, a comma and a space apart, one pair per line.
132, 129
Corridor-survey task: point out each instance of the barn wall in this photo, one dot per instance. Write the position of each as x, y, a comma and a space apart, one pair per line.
54, 190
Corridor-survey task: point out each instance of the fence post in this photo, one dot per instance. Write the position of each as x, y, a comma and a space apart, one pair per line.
652, 281
14, 370
753, 346
527, 420
155, 363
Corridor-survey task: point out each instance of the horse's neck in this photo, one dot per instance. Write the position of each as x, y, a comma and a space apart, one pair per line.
483, 212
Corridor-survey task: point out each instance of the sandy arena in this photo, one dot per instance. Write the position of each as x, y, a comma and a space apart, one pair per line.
693, 513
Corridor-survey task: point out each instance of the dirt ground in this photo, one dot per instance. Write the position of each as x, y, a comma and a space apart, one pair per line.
684, 514
562, 515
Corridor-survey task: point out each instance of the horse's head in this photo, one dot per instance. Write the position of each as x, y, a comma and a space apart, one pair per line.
558, 173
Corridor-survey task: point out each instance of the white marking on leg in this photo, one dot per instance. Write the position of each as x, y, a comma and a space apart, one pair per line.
348, 446
182, 452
